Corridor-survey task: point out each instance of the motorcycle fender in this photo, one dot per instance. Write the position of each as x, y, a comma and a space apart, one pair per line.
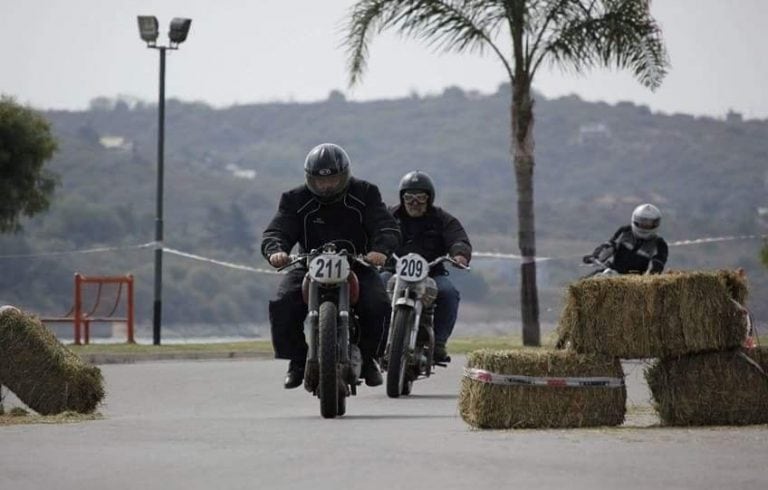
405, 301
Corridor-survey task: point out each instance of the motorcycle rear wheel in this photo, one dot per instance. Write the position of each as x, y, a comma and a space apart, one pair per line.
398, 352
327, 388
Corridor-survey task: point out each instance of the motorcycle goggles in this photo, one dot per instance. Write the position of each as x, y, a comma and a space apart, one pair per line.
415, 197
647, 223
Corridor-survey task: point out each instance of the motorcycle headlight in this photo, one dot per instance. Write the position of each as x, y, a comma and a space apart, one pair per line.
430, 291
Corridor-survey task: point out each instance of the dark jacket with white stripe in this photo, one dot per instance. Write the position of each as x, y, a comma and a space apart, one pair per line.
358, 216
634, 255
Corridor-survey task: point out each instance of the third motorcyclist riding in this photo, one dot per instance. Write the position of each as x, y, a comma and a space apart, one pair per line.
636, 248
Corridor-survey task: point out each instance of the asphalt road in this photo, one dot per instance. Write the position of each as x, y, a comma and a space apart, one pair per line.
230, 425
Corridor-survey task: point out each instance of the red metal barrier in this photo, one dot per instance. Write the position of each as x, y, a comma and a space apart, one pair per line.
81, 319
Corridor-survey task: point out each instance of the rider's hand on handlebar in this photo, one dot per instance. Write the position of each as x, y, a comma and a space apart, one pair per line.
376, 258
588, 259
279, 259
461, 260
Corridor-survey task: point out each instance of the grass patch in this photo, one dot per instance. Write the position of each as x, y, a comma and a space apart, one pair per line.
458, 345
465, 345
18, 418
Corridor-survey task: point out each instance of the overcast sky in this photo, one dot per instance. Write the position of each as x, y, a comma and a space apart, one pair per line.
63, 53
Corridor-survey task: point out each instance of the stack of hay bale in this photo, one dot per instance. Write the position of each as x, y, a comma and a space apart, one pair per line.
42, 372
541, 389
691, 323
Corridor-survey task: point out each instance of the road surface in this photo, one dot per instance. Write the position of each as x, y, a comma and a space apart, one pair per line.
226, 425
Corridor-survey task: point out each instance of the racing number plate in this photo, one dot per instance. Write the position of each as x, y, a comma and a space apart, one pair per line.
412, 268
329, 269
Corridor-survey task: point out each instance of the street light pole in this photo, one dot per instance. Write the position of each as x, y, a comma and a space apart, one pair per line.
157, 310
148, 30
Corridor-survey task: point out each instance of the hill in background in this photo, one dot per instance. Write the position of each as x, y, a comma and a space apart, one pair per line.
225, 169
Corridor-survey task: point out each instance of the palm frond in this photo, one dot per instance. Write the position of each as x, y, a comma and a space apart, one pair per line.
450, 25
618, 33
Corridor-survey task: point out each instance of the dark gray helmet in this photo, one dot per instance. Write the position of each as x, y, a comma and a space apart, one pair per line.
326, 170
417, 181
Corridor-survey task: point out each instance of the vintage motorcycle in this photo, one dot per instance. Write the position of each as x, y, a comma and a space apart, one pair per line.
409, 354
330, 290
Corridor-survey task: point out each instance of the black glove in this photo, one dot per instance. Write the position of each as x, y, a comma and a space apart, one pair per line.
588, 259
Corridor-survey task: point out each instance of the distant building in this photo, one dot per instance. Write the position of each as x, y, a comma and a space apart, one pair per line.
240, 173
762, 217
116, 143
593, 132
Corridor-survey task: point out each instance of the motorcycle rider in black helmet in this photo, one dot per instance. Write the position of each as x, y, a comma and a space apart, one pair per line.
636, 248
330, 206
432, 232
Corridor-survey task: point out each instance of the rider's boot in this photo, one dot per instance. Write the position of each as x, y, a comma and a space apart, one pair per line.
370, 372
295, 375
441, 354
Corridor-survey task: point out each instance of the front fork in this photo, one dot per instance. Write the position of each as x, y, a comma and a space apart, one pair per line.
342, 325
402, 297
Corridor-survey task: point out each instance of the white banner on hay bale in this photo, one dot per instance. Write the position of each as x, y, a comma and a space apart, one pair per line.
520, 380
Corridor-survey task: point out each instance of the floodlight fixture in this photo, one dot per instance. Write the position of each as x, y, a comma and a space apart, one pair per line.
148, 28
179, 30
177, 34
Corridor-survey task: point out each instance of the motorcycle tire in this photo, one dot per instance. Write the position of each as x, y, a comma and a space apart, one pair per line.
327, 388
402, 322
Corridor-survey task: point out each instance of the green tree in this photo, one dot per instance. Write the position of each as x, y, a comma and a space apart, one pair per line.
573, 34
230, 228
26, 144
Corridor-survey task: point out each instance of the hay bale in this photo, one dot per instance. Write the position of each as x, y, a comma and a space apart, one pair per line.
721, 388
41, 371
492, 406
736, 284
666, 315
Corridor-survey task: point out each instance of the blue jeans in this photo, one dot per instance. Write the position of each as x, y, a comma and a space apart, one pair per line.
446, 310
446, 307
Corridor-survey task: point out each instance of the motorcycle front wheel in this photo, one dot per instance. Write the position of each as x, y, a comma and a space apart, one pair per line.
327, 388
398, 351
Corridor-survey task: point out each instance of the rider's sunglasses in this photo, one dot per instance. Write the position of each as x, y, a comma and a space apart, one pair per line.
415, 198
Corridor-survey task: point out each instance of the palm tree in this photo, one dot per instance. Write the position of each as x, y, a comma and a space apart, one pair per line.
572, 34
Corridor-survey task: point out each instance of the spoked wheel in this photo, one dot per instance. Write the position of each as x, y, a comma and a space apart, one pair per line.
398, 352
327, 388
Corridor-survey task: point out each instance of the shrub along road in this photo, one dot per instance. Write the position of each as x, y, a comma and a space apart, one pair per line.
230, 424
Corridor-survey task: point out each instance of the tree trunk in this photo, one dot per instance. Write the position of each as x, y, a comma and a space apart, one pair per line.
522, 137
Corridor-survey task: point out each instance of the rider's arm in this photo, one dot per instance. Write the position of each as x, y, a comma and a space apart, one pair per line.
660, 259
456, 237
605, 250
283, 231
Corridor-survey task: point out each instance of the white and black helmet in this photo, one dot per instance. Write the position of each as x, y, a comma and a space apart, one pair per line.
646, 219
326, 169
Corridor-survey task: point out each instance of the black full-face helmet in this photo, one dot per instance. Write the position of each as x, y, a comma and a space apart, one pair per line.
417, 181
326, 170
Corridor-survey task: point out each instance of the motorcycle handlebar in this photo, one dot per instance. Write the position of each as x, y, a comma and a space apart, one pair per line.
447, 258
298, 258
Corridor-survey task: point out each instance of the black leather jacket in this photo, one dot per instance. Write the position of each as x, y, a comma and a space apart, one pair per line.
632, 255
435, 234
358, 216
